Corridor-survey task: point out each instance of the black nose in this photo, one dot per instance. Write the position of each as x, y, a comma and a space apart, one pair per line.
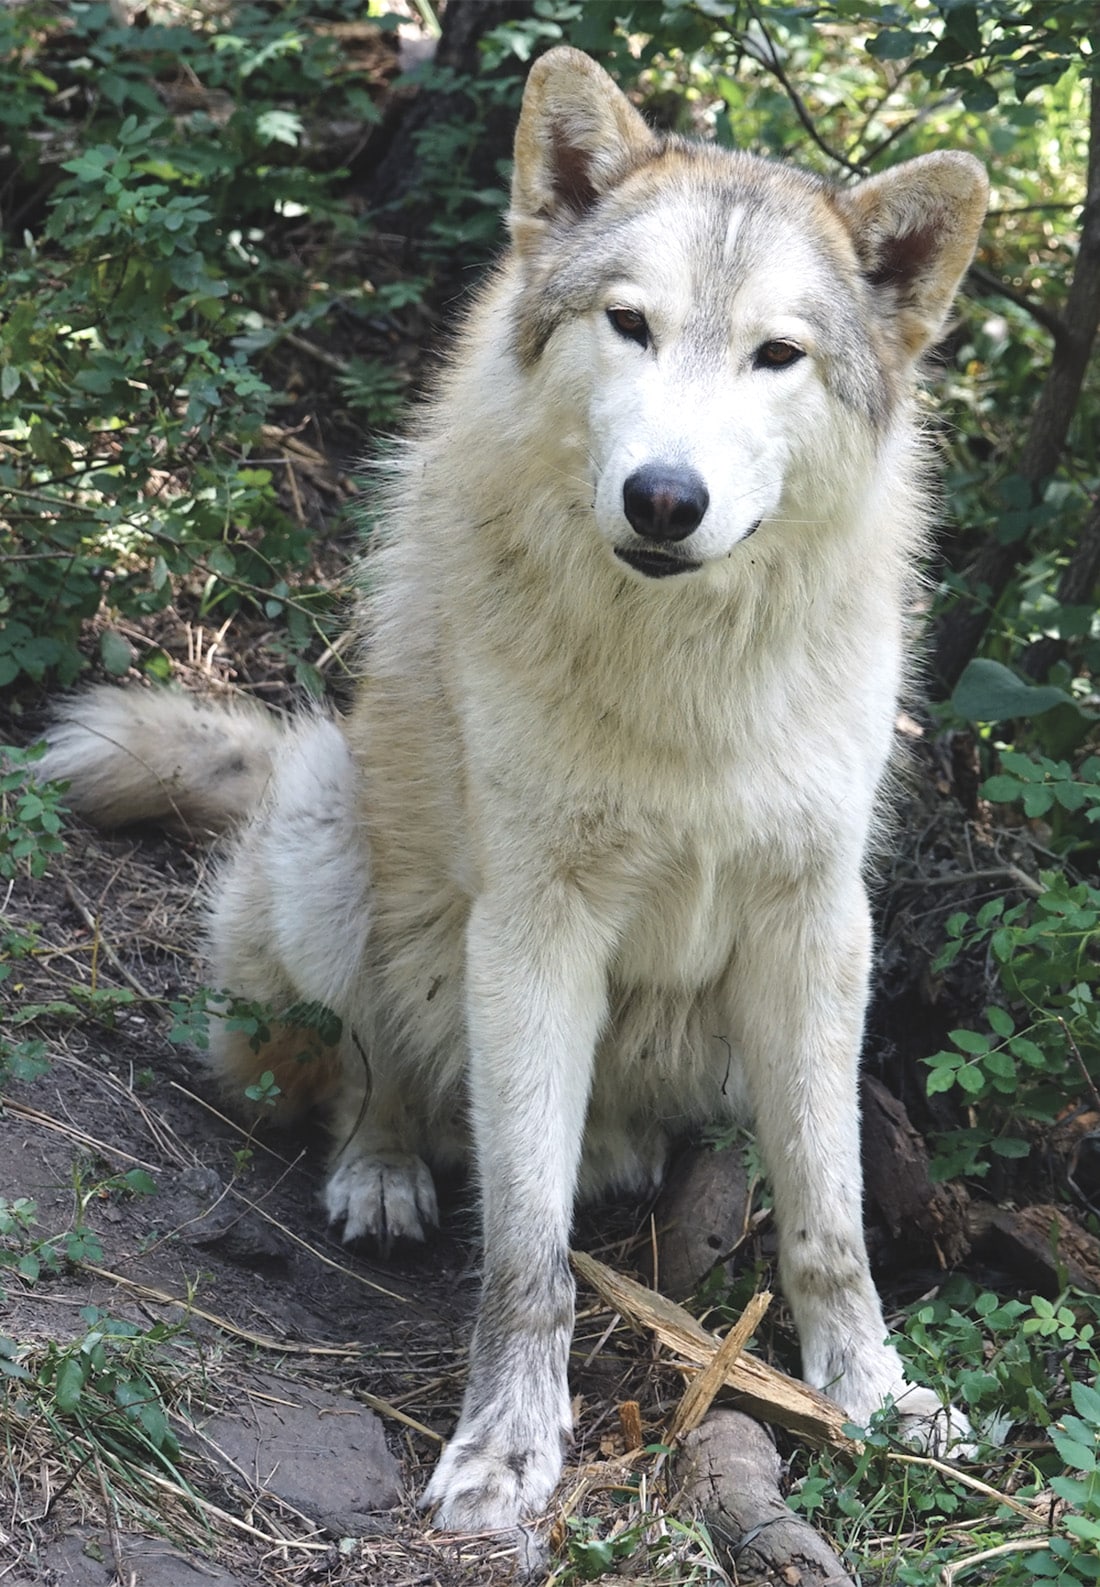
664, 503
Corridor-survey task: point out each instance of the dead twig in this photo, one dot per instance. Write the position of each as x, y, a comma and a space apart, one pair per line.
101, 942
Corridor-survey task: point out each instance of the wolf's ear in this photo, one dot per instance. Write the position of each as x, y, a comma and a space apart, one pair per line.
915, 229
578, 135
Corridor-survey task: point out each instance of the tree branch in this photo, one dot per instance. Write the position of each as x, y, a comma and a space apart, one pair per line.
1043, 316
923, 114
772, 63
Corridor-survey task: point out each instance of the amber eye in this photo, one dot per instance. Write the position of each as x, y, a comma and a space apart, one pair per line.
777, 355
631, 324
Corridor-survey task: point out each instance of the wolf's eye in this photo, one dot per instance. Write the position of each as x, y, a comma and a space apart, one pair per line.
777, 355
631, 324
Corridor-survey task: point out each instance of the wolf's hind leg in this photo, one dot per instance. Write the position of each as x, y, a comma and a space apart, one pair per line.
289, 931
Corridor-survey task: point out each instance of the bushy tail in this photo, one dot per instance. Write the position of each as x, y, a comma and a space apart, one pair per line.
159, 755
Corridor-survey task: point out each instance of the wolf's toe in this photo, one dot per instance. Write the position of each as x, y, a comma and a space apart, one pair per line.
384, 1198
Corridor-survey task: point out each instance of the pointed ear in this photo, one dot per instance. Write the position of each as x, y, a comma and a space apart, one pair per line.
578, 135
915, 229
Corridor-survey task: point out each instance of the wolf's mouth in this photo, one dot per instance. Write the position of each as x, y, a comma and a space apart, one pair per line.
655, 564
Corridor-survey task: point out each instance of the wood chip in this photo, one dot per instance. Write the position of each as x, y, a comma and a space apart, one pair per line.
630, 1425
699, 1394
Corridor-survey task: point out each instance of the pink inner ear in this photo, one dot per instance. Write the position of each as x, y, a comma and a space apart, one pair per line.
902, 258
571, 173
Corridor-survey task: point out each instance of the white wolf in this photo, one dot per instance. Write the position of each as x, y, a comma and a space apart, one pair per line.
583, 867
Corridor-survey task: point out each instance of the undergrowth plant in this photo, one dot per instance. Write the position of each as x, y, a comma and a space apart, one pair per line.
138, 306
1039, 1048
99, 1410
1024, 1371
25, 1252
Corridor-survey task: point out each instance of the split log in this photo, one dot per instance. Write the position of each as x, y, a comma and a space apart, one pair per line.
761, 1390
897, 1182
699, 1394
730, 1468
1040, 1244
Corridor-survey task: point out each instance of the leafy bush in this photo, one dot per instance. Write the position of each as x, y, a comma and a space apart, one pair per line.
1030, 1063
1013, 1365
137, 315
30, 816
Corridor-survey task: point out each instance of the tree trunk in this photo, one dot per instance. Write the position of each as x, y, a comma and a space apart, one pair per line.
395, 164
1076, 587
960, 630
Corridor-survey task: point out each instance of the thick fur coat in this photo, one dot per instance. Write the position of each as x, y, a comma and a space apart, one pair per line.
583, 869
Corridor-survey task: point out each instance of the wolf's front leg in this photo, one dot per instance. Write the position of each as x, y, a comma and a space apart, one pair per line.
802, 976
536, 999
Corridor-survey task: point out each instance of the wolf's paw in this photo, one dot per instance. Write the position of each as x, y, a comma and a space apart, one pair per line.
487, 1482
925, 1422
388, 1196
932, 1427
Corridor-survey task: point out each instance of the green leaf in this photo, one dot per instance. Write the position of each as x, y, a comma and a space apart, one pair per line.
279, 126
1072, 795
155, 1423
980, 96
1000, 1063
971, 1079
1002, 790
28, 1266
970, 1041
9, 381
1037, 801
961, 24
1010, 1146
69, 1384
940, 1080
1000, 1021
1086, 1402
1028, 1052
1075, 1454
989, 692
894, 44
221, 560
115, 653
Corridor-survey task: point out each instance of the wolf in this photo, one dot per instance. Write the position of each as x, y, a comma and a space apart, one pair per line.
583, 868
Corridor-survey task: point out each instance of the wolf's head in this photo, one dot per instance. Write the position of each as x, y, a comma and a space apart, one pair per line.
733, 339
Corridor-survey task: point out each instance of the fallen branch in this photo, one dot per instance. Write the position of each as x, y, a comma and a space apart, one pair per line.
762, 1390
